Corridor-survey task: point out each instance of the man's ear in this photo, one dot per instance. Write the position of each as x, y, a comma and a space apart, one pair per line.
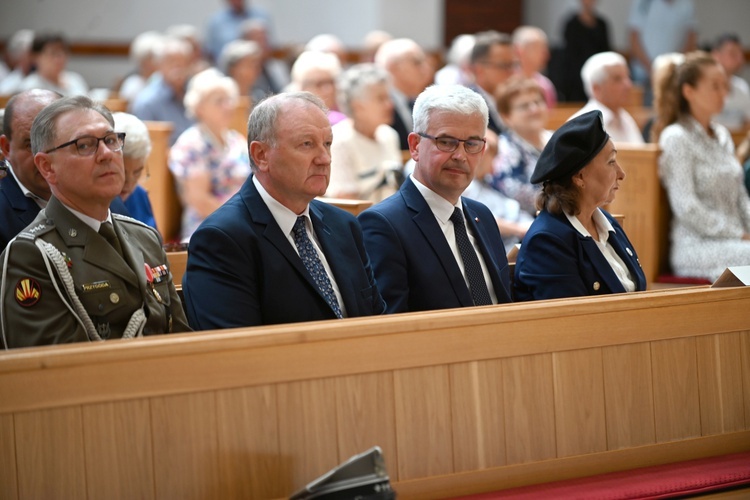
5, 146
44, 165
414, 139
259, 154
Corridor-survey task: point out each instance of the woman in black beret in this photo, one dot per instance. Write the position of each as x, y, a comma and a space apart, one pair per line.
574, 248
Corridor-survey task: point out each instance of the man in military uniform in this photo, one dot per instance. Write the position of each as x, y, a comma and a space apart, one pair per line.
79, 272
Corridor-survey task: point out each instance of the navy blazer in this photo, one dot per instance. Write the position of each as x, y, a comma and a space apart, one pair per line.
556, 261
243, 271
18, 211
414, 266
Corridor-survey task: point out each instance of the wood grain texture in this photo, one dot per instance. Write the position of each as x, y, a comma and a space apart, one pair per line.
185, 468
366, 416
307, 429
676, 401
579, 402
159, 181
119, 455
529, 404
250, 465
423, 410
628, 395
8, 472
720, 383
478, 416
50, 454
745, 357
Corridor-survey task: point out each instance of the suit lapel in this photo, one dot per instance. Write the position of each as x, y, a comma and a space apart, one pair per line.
478, 228
600, 263
267, 226
23, 206
428, 225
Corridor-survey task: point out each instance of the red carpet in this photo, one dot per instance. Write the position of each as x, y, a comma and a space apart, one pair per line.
662, 481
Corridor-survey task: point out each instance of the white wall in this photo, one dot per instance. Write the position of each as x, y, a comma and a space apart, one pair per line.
296, 21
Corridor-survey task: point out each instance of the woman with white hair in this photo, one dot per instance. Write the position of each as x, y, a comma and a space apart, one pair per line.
209, 160
365, 154
143, 51
135, 153
317, 72
242, 61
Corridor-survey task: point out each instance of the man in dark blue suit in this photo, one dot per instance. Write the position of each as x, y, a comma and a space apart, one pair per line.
23, 191
273, 254
423, 256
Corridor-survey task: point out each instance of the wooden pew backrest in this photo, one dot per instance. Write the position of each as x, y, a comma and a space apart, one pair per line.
462, 401
160, 184
354, 207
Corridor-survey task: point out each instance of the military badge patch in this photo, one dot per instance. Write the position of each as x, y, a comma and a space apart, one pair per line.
28, 292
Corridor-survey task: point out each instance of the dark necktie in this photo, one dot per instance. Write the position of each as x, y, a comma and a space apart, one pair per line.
472, 267
108, 231
312, 262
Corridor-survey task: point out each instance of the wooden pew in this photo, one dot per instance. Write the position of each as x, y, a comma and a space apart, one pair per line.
559, 115
462, 401
160, 184
354, 207
177, 265
644, 204
241, 114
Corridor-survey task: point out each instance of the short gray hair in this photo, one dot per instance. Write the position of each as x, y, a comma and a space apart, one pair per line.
138, 141
594, 70
261, 126
451, 98
205, 82
20, 42
355, 82
235, 51
145, 45
44, 126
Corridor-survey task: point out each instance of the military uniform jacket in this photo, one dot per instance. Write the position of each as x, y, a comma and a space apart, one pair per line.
37, 309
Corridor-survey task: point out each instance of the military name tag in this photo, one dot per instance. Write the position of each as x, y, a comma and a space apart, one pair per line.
97, 285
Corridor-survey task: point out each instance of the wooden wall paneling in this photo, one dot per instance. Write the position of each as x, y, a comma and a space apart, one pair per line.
676, 401
477, 415
118, 448
628, 395
8, 479
529, 404
366, 417
579, 402
745, 346
423, 411
720, 383
479, 15
250, 464
49, 451
307, 429
185, 468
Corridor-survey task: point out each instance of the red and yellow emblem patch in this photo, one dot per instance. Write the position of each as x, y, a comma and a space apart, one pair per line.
28, 292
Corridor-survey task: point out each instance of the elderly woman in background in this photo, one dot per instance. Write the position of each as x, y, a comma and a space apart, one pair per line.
523, 109
703, 178
512, 221
209, 160
143, 52
242, 61
574, 248
365, 154
135, 153
317, 72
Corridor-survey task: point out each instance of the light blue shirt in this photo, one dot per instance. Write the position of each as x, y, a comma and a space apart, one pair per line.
158, 102
663, 25
224, 26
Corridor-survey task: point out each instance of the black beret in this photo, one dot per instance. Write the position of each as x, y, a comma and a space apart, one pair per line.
571, 147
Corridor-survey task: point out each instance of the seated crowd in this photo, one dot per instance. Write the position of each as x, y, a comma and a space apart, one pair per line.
83, 259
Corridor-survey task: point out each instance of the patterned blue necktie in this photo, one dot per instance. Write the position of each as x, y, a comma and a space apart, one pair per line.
478, 287
312, 262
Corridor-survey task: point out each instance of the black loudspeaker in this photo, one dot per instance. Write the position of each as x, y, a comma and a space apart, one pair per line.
362, 477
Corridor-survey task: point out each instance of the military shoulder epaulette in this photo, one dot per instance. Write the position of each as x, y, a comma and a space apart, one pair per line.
125, 218
33, 232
